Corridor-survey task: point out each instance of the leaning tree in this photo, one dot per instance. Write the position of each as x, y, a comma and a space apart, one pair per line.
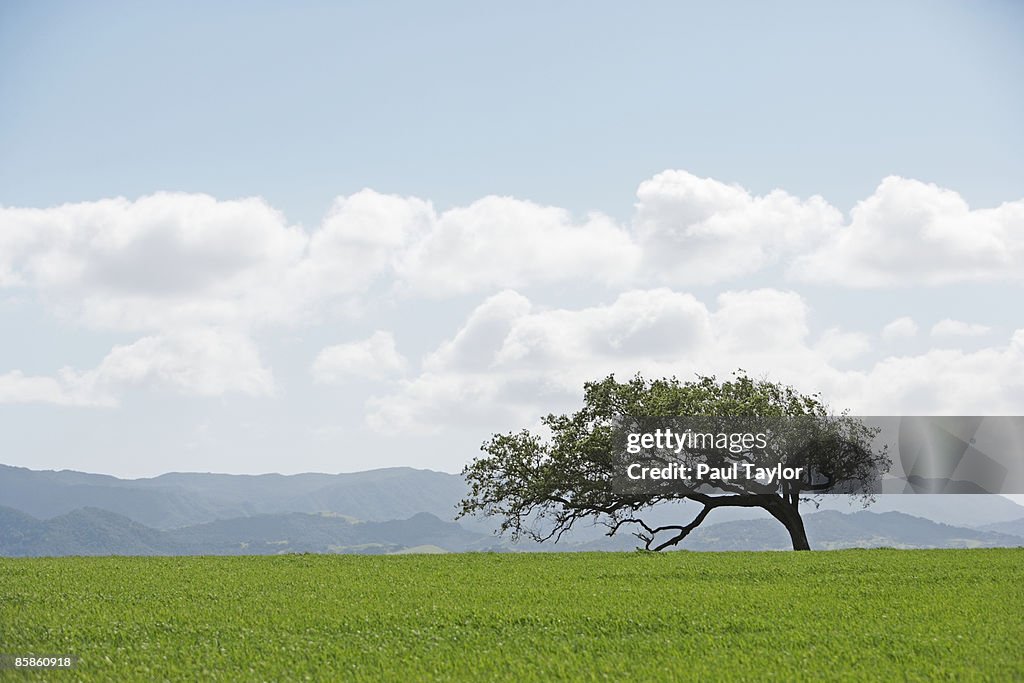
538, 486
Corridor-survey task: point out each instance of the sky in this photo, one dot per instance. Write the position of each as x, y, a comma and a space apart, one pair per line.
268, 237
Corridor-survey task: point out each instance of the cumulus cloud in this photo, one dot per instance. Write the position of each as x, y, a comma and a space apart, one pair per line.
16, 387
203, 362
989, 381
689, 230
199, 362
958, 328
373, 358
155, 263
700, 230
837, 345
172, 259
511, 361
362, 238
900, 328
913, 233
152, 267
196, 275
510, 358
501, 242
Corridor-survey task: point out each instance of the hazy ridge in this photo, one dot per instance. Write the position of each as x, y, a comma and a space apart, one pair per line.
398, 509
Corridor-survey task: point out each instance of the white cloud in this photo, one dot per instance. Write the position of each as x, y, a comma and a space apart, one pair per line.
198, 362
958, 328
913, 233
373, 358
700, 230
989, 381
511, 362
499, 242
15, 387
155, 263
197, 275
837, 345
201, 362
511, 359
900, 328
761, 321
361, 239
508, 358
169, 262
172, 259
474, 346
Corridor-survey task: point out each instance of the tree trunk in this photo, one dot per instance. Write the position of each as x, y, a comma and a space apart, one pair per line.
784, 508
790, 517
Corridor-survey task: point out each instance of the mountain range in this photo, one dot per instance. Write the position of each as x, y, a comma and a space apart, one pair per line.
91, 531
182, 499
405, 509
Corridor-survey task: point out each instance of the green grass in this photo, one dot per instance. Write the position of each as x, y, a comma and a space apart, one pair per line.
845, 615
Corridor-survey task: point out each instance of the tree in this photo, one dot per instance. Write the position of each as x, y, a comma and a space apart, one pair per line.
539, 487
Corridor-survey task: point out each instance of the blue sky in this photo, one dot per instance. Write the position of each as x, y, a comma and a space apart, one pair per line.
135, 342
569, 104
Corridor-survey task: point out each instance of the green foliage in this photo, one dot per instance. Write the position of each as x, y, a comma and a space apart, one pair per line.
844, 615
705, 395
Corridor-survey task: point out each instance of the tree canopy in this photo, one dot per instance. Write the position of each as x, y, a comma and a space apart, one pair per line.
539, 486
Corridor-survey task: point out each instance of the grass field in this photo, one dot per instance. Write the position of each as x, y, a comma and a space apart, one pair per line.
845, 615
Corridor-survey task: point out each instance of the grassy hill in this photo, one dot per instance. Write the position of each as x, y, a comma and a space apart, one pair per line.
848, 615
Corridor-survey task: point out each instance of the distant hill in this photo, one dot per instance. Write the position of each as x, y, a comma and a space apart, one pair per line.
968, 510
49, 494
302, 532
955, 509
830, 530
184, 499
90, 531
67, 512
1014, 527
177, 500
